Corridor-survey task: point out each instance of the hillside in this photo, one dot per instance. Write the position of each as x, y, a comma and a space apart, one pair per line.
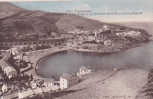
21, 24
143, 25
27, 23
70, 22
7, 9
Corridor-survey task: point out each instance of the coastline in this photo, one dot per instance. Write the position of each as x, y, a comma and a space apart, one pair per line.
37, 56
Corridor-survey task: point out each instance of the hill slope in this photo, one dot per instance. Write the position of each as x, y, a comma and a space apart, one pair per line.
23, 24
19, 23
7, 9
143, 25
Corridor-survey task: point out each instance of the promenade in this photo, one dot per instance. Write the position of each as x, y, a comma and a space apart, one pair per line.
36, 56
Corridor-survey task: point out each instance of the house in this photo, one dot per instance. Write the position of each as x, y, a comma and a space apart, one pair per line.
33, 85
133, 34
56, 86
91, 37
90, 45
67, 80
26, 94
49, 84
69, 44
107, 42
8, 70
4, 88
115, 69
26, 58
18, 56
129, 34
83, 71
16, 50
105, 28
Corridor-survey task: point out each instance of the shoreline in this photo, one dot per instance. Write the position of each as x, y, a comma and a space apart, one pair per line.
37, 56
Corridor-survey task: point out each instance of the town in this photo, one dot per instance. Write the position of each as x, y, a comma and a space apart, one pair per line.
18, 63
16, 81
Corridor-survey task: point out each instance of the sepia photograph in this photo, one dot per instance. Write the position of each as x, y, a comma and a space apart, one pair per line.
76, 49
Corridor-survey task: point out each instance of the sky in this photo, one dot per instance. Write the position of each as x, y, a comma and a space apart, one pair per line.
107, 10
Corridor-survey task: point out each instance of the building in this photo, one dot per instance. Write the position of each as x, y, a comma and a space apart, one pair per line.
48, 84
83, 71
16, 50
8, 70
28, 93
67, 80
4, 88
91, 37
107, 42
52, 85
105, 28
129, 34
90, 45
33, 84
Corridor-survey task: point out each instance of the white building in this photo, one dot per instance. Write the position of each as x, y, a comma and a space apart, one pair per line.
129, 34
8, 70
18, 56
52, 85
105, 28
26, 94
107, 42
83, 71
4, 88
133, 33
33, 84
91, 38
67, 80
16, 50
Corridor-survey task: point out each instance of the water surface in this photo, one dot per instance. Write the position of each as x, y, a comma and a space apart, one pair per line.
71, 61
